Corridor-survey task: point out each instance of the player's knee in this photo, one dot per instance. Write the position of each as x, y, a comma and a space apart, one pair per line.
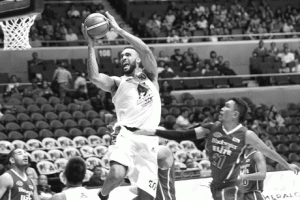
165, 157
117, 171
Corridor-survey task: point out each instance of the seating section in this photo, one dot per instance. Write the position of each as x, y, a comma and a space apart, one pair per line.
52, 132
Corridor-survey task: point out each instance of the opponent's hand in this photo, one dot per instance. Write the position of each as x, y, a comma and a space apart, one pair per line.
88, 38
294, 168
147, 132
114, 25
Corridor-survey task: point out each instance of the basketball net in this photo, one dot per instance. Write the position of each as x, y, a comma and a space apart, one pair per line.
16, 32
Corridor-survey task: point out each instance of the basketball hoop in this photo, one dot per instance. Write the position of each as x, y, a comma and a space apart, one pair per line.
16, 32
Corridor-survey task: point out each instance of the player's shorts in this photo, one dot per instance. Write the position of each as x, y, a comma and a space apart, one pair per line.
139, 154
254, 195
232, 192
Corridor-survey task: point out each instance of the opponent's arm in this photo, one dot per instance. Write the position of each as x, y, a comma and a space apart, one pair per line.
147, 57
6, 183
102, 81
193, 134
260, 162
253, 139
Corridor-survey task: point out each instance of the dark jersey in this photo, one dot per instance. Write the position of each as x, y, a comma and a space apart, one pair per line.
21, 190
248, 166
224, 150
166, 184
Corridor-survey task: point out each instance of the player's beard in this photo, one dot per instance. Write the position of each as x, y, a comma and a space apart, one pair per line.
132, 67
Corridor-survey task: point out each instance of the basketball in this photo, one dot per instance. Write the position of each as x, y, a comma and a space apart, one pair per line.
97, 25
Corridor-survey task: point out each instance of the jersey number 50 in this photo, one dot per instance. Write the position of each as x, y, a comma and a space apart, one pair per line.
152, 185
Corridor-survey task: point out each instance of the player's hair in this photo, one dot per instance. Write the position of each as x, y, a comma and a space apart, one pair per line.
130, 47
241, 107
10, 155
75, 170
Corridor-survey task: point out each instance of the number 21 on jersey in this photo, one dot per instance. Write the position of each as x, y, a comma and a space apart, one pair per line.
218, 160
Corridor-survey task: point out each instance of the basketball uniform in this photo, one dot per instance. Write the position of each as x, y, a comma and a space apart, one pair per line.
166, 184
22, 189
79, 193
137, 104
224, 150
252, 189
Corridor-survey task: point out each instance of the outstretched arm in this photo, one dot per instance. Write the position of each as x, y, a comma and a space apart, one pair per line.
147, 57
253, 139
193, 134
260, 162
106, 83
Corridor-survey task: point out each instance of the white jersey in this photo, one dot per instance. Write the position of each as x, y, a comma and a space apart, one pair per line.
137, 102
80, 193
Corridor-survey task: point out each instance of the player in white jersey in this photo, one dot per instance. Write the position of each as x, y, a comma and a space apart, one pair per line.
75, 172
137, 103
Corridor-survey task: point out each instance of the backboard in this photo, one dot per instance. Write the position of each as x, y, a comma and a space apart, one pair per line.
17, 8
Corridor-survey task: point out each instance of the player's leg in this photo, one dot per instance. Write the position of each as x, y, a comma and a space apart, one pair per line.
115, 177
165, 157
143, 195
165, 161
249, 196
166, 176
255, 195
259, 195
228, 193
216, 193
232, 193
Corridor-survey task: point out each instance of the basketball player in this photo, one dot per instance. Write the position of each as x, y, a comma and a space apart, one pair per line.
226, 141
253, 173
14, 183
137, 103
74, 172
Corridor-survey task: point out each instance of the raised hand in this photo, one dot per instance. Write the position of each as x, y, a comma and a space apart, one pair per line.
88, 38
114, 25
294, 168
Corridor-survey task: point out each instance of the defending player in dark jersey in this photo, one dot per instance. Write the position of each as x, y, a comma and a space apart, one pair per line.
166, 184
225, 149
14, 184
253, 173
225, 143
166, 175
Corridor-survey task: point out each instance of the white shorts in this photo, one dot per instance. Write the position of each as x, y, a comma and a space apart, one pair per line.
139, 154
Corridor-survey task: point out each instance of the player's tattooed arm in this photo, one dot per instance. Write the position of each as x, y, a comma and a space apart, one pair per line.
106, 83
